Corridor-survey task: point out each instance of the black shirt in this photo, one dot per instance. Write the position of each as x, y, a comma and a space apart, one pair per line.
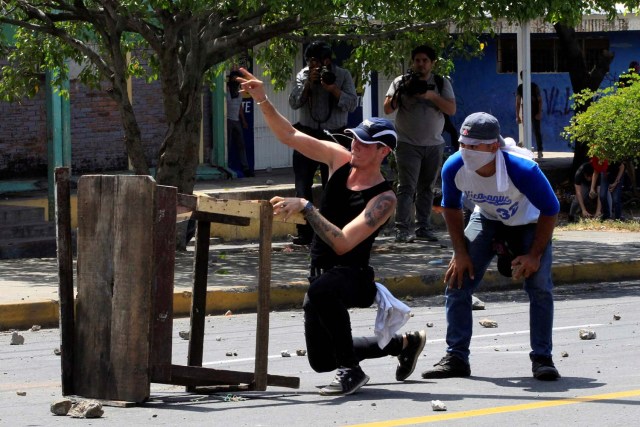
340, 206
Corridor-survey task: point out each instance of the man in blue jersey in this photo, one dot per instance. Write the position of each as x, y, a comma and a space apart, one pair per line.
513, 200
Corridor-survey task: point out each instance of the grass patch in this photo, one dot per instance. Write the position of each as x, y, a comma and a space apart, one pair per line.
598, 225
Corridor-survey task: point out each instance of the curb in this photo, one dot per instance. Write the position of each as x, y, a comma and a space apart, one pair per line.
21, 315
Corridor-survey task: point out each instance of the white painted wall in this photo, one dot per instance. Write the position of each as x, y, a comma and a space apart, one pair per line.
268, 151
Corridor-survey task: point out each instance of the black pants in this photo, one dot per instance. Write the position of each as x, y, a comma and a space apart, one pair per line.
304, 169
537, 131
327, 324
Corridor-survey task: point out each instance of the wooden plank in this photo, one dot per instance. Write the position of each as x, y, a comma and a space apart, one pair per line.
197, 376
95, 279
162, 291
241, 208
65, 276
115, 274
199, 294
221, 218
264, 295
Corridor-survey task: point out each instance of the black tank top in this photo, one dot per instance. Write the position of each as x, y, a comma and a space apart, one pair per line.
340, 206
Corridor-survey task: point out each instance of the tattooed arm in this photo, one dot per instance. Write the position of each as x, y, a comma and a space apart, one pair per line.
375, 214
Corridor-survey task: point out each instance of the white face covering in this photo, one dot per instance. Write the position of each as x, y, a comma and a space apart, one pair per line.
474, 159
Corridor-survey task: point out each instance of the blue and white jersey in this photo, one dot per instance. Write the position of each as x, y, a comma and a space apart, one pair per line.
528, 195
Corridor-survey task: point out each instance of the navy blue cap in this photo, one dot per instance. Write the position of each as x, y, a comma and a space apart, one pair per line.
375, 130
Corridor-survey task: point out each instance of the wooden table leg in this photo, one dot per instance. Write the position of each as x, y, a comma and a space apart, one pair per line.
199, 295
65, 275
264, 296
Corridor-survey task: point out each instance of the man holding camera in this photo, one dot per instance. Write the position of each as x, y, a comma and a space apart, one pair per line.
325, 95
421, 106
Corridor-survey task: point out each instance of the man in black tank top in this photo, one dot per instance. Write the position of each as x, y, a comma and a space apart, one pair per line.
357, 202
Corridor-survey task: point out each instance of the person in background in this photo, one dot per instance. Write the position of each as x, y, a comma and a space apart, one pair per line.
421, 110
236, 122
583, 203
536, 112
609, 189
357, 203
630, 75
513, 198
324, 94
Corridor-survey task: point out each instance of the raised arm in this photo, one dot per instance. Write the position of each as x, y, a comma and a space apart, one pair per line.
333, 155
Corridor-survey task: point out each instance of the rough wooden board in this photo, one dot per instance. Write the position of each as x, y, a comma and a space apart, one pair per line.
115, 273
242, 208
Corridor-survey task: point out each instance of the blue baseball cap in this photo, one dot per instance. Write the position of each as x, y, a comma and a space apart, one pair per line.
375, 130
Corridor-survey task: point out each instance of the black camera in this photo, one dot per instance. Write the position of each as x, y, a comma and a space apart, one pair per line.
327, 76
412, 84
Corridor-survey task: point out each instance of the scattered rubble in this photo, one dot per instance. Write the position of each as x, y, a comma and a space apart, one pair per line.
57, 351
586, 334
184, 334
488, 323
476, 303
232, 353
429, 324
301, 352
564, 354
16, 338
86, 409
36, 328
438, 405
61, 407
228, 313
616, 316
285, 353
21, 393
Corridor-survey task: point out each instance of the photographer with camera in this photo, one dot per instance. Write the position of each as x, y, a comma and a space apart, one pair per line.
421, 100
325, 95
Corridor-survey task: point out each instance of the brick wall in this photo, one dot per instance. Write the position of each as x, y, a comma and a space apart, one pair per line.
23, 132
97, 137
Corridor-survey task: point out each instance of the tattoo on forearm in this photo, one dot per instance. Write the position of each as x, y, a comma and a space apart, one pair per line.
380, 210
323, 228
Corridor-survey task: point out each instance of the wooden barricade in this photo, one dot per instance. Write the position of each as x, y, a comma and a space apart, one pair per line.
119, 340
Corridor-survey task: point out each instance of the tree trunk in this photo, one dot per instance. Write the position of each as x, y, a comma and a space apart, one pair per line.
132, 136
178, 157
581, 78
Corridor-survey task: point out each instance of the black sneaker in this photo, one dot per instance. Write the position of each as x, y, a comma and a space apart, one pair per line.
426, 234
448, 367
544, 369
347, 381
404, 237
408, 357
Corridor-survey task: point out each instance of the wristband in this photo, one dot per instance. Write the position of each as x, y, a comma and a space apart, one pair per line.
307, 208
263, 101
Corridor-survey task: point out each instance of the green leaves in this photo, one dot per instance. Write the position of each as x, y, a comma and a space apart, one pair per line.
610, 126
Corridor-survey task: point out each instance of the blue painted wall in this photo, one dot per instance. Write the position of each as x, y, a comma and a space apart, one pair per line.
478, 87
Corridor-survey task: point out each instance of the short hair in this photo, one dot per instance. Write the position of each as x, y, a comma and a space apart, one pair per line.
319, 50
427, 50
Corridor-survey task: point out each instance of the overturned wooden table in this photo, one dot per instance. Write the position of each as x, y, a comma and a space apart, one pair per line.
120, 339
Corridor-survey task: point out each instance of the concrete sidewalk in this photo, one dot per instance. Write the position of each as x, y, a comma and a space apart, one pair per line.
29, 287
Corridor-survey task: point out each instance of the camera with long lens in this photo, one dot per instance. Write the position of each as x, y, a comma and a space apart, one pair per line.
327, 76
412, 84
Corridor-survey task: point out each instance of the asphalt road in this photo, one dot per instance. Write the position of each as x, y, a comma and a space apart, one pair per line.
600, 383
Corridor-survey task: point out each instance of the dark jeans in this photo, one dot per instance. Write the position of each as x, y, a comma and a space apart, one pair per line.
304, 169
327, 324
537, 131
613, 209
